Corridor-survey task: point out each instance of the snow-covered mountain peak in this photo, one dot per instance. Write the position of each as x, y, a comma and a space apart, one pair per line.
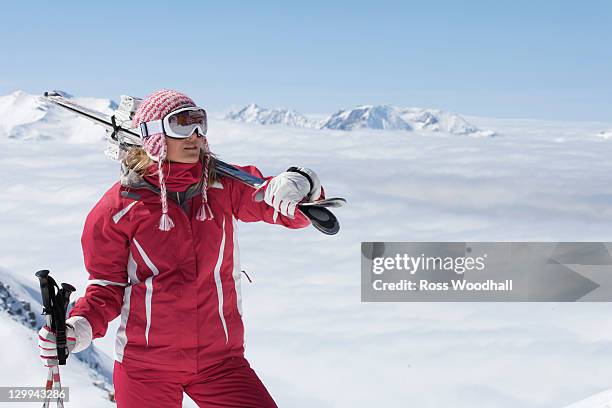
386, 117
27, 117
253, 106
17, 94
367, 117
253, 113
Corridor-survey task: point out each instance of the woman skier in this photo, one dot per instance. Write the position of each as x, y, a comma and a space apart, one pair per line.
160, 249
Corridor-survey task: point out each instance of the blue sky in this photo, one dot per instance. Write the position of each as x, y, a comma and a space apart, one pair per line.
528, 59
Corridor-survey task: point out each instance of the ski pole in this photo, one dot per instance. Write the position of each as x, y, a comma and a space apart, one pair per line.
55, 305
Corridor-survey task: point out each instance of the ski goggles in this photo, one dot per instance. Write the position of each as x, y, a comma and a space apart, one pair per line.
179, 124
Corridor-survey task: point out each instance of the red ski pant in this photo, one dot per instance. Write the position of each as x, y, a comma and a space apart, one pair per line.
231, 383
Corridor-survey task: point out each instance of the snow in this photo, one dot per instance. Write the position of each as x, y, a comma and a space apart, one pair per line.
253, 113
385, 117
367, 117
605, 134
381, 117
601, 400
22, 368
22, 303
26, 117
308, 336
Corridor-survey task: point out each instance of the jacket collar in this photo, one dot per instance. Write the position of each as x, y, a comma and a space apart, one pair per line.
131, 180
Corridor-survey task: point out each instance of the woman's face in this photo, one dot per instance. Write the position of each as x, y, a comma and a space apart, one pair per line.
184, 150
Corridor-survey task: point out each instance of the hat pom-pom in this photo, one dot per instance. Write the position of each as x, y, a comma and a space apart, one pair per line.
165, 223
205, 213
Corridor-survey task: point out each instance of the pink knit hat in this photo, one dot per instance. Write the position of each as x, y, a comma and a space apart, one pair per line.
155, 107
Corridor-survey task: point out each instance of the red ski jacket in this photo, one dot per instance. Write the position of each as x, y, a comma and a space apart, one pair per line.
178, 292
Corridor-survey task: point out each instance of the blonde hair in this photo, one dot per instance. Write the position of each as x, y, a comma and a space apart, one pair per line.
139, 162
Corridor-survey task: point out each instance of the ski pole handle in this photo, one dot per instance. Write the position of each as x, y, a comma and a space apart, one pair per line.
47, 291
55, 306
62, 300
66, 290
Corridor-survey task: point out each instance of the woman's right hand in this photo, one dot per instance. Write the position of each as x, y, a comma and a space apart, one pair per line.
78, 338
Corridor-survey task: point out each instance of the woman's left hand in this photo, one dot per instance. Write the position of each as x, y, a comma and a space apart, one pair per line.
285, 191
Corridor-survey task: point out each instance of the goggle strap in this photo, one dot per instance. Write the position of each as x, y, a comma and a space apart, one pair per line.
150, 128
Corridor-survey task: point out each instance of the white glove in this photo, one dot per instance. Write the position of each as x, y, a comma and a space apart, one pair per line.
78, 338
285, 191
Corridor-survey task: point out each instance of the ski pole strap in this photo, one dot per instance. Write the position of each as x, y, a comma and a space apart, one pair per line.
303, 173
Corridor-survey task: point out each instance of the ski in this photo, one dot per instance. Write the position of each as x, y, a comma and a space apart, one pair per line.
123, 137
332, 202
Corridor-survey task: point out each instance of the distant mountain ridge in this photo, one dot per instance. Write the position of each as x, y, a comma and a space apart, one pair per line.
382, 117
24, 116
